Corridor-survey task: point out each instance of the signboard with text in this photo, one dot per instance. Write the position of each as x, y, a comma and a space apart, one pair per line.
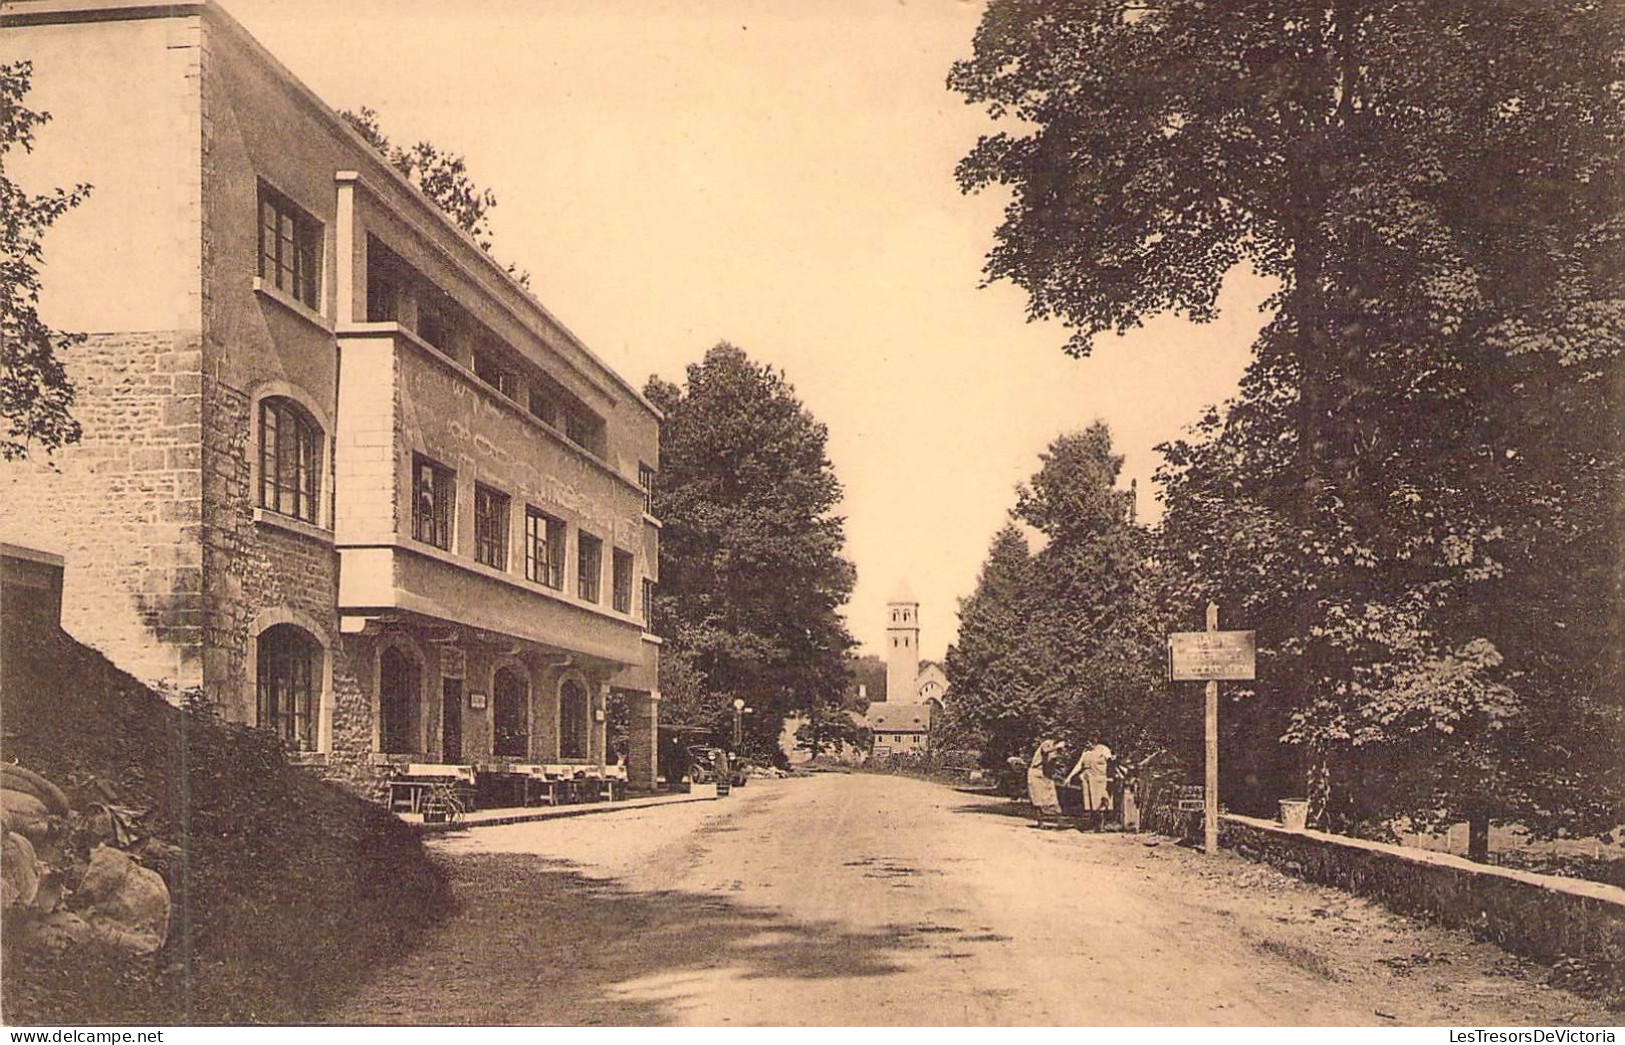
1209, 656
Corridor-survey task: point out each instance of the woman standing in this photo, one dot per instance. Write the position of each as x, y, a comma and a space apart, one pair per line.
1091, 774
1041, 782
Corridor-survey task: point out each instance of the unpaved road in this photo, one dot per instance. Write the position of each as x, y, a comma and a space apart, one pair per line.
886, 901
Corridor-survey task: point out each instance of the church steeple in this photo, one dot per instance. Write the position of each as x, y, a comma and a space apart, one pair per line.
902, 645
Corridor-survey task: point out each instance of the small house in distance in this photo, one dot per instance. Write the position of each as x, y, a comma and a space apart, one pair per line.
897, 728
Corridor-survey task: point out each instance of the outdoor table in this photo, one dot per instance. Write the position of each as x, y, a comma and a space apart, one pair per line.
417, 780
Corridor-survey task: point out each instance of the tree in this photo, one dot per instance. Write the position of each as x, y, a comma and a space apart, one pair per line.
1067, 642
1434, 406
991, 683
442, 176
36, 396
869, 672
685, 700
837, 732
752, 576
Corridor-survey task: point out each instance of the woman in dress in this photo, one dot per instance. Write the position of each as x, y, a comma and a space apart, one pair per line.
1041, 782
1091, 774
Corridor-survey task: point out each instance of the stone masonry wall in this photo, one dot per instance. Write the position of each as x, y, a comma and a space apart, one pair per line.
259, 570
1541, 916
124, 505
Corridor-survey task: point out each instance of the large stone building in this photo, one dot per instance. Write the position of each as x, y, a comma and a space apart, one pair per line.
340, 474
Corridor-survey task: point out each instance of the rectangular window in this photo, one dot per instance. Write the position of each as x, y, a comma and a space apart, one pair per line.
434, 502
435, 329
648, 604
646, 479
589, 565
490, 527
544, 548
543, 408
386, 274
487, 369
585, 429
290, 248
621, 594
575, 429
381, 299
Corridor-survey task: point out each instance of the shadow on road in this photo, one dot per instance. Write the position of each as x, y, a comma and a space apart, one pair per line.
533, 941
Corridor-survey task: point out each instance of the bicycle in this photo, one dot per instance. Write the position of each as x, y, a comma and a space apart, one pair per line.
442, 805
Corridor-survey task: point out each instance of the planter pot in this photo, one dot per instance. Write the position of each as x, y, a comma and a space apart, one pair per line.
1295, 813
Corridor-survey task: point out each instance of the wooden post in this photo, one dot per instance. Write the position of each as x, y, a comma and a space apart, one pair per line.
1210, 809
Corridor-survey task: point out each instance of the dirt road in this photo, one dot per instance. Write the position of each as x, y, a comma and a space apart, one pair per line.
875, 900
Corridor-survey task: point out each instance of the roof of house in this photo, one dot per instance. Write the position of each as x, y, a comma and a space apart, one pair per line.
885, 717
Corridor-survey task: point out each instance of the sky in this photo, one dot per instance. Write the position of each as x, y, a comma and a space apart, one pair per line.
778, 175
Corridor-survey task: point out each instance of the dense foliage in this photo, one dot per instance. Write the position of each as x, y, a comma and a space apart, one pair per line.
751, 572
1412, 498
1066, 642
35, 394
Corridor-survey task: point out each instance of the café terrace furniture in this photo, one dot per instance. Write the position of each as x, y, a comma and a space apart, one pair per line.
511, 784
415, 781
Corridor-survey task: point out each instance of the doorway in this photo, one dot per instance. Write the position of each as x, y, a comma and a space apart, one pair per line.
397, 702
510, 714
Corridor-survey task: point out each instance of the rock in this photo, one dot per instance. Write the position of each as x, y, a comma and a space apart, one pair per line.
99, 824
19, 872
160, 855
61, 931
51, 891
126, 904
17, 778
24, 813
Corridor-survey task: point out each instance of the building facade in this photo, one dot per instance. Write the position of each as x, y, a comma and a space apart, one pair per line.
341, 476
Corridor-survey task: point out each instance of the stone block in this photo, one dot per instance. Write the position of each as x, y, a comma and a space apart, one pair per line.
185, 410
188, 510
147, 459
183, 457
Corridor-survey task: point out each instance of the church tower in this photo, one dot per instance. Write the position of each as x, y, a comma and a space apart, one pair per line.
902, 645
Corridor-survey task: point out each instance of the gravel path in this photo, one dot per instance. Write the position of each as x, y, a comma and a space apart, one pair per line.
884, 901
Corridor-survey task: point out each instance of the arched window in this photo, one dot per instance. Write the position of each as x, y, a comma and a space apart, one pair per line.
573, 721
399, 693
510, 728
290, 459
289, 683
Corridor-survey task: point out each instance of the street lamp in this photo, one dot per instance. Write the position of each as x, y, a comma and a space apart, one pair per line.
740, 710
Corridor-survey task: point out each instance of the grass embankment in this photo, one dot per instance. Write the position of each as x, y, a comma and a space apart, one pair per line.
285, 889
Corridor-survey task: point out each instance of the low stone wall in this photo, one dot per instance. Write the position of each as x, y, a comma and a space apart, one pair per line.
1544, 917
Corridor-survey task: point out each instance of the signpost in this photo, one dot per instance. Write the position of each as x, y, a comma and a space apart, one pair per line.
1209, 656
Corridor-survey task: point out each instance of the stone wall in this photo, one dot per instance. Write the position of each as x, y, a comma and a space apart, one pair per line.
1544, 917
124, 505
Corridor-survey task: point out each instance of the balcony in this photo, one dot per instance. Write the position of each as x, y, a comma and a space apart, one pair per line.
401, 398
